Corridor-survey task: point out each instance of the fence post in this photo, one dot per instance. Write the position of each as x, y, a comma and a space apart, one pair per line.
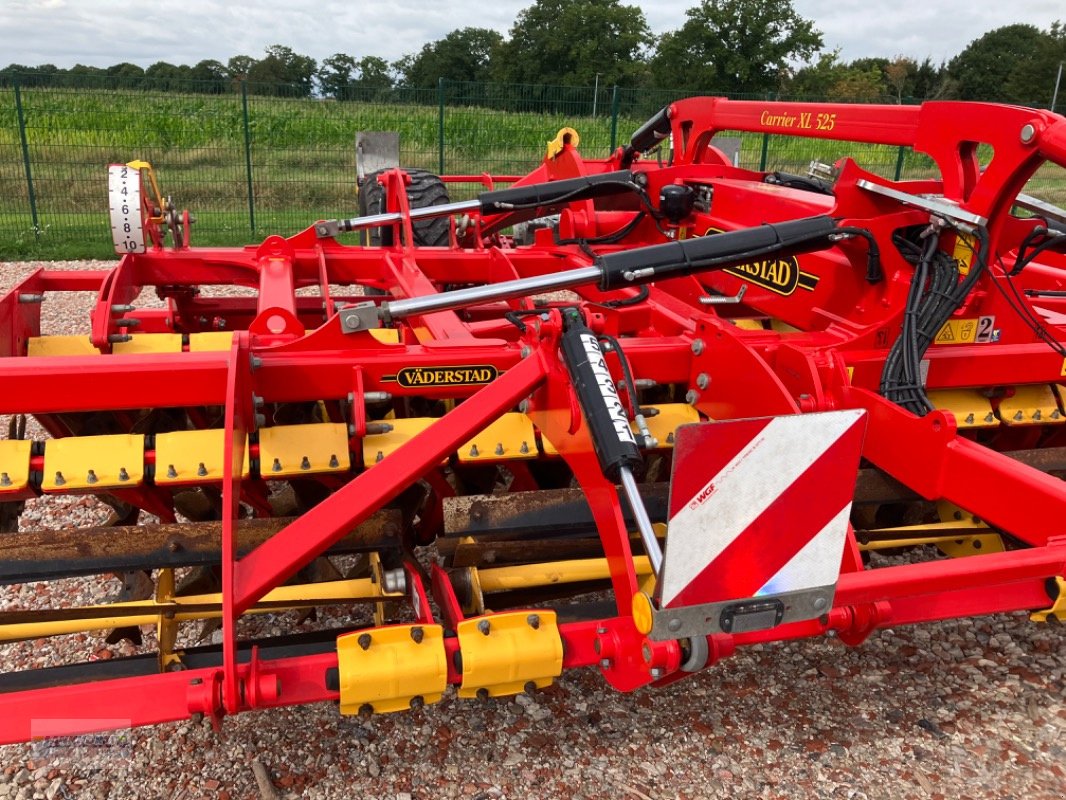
440, 126
763, 154
248, 155
615, 101
26, 160
899, 161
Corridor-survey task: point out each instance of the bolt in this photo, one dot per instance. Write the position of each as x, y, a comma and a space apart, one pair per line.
484, 627
201, 470
670, 437
473, 451
1028, 132
605, 663
256, 362
819, 603
691, 396
60, 480
499, 448
534, 621
523, 406
697, 346
674, 625
277, 465
351, 397
171, 472
4, 479
601, 631
334, 462
257, 401
524, 449
260, 420
703, 380
91, 477
646, 653
525, 351
30, 298
379, 456
831, 633
122, 474
305, 463
656, 673
417, 634
364, 641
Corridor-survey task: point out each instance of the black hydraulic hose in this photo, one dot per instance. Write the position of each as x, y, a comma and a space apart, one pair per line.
674, 259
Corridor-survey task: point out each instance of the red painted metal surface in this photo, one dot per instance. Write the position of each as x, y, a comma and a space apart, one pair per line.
831, 332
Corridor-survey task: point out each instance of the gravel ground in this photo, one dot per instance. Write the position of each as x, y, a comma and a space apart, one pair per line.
966, 709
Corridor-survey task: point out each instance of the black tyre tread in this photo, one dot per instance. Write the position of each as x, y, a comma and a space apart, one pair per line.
425, 190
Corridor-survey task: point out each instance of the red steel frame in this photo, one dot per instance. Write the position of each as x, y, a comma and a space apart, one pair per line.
289, 348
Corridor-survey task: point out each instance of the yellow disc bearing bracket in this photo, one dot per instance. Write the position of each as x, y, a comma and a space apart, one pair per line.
14, 465
502, 653
93, 462
390, 668
291, 450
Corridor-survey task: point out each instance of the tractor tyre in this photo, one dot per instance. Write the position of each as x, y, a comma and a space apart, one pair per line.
425, 190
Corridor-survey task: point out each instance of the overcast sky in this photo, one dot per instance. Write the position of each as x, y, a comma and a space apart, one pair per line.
102, 32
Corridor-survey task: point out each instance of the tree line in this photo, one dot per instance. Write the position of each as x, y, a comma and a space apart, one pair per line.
756, 47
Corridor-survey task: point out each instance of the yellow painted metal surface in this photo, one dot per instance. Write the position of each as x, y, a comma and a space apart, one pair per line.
148, 343
387, 668
508, 438
93, 462
210, 341
746, 324
670, 417
564, 136
14, 465
504, 652
183, 457
45, 346
1031, 405
1057, 609
643, 612
379, 446
289, 450
525, 576
385, 335
970, 408
208, 606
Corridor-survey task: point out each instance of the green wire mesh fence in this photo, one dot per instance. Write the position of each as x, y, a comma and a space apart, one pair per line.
255, 159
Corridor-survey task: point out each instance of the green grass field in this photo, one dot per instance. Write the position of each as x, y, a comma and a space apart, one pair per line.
303, 158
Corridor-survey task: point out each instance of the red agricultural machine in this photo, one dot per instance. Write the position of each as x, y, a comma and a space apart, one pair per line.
629, 414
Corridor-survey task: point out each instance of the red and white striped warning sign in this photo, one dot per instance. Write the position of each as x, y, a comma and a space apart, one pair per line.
759, 507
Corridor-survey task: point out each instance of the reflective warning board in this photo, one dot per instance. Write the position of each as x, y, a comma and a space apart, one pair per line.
759, 509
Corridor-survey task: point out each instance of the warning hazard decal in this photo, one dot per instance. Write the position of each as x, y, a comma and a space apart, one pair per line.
759, 507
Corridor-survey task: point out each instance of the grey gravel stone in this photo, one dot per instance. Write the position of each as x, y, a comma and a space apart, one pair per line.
806, 719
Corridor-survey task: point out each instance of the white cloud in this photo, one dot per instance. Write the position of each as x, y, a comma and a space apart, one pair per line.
103, 33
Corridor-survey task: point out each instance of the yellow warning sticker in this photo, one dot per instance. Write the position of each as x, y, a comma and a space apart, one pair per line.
963, 253
976, 330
